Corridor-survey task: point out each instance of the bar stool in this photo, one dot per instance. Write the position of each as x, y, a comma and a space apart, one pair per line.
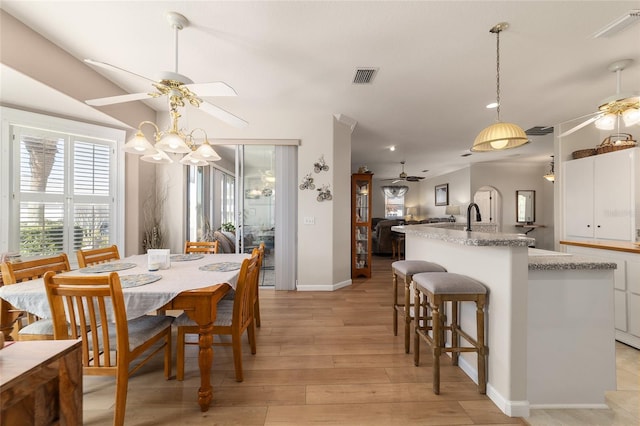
405, 269
432, 291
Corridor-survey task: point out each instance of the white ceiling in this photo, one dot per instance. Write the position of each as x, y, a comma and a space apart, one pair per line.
436, 63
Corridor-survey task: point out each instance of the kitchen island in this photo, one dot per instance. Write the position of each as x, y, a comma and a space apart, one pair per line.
550, 316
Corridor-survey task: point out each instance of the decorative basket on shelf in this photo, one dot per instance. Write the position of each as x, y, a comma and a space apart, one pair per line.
615, 143
582, 153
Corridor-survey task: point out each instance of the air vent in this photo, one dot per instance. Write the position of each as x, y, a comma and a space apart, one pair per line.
364, 75
539, 130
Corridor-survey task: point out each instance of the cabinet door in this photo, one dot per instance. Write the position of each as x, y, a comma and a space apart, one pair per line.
612, 196
578, 188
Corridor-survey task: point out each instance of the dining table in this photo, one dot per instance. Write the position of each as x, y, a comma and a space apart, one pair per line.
193, 283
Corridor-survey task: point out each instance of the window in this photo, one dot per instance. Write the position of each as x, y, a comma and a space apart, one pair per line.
394, 206
394, 200
63, 196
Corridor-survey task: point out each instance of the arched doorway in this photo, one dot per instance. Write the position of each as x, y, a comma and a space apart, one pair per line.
490, 202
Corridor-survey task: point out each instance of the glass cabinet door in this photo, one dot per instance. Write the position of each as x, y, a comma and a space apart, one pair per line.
361, 225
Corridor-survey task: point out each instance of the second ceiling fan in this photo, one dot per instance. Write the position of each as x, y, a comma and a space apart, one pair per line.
179, 89
404, 177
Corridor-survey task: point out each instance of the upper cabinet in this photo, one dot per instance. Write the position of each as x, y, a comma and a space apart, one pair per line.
600, 193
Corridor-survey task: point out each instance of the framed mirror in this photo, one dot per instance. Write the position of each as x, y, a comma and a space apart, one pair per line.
525, 206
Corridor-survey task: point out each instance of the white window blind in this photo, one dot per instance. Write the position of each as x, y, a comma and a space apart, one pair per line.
65, 200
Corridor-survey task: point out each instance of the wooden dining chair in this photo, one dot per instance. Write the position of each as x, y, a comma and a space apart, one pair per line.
205, 247
233, 318
256, 297
16, 272
81, 308
100, 255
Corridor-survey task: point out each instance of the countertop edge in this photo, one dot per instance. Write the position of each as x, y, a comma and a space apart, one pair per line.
622, 246
468, 238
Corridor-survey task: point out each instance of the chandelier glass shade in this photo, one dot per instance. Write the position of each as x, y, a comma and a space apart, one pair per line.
173, 141
500, 135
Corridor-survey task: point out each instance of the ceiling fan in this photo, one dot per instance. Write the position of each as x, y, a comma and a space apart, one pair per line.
625, 104
177, 87
403, 177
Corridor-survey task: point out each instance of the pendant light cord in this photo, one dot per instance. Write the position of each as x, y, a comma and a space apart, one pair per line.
498, 71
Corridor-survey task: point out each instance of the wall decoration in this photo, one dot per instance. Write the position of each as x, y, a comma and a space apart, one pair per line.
442, 194
324, 193
320, 166
307, 182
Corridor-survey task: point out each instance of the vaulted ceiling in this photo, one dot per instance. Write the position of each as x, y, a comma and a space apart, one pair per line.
435, 64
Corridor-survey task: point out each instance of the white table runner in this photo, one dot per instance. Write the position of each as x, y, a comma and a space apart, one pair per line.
31, 296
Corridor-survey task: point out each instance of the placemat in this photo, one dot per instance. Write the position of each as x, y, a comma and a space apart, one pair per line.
186, 257
128, 281
221, 267
108, 267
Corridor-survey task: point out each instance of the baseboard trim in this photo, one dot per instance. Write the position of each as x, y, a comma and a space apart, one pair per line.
324, 287
508, 407
569, 406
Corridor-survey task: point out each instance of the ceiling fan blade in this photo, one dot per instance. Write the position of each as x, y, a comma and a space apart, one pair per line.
581, 125
223, 115
216, 88
117, 99
115, 68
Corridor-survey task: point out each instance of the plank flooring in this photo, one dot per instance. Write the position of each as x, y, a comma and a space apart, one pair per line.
325, 358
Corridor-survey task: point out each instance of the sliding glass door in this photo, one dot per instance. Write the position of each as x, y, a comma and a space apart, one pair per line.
253, 204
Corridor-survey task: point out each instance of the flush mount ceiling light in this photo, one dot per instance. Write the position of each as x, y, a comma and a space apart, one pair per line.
500, 135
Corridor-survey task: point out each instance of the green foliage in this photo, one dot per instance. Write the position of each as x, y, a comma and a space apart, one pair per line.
228, 227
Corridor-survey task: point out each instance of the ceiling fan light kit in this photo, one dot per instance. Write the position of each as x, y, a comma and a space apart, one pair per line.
499, 136
622, 105
179, 90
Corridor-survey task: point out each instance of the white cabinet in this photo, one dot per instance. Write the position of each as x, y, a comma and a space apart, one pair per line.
626, 291
600, 193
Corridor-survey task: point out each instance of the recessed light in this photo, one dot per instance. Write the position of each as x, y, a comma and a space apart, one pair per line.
492, 105
392, 148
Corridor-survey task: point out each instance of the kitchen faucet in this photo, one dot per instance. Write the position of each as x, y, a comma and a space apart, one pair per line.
478, 217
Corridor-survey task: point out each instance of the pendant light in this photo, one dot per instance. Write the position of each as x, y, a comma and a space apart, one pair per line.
500, 135
551, 176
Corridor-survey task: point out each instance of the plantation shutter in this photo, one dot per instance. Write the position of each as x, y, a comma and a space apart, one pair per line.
65, 199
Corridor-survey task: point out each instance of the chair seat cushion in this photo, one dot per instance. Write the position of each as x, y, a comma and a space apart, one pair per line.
411, 267
448, 283
224, 316
141, 330
43, 326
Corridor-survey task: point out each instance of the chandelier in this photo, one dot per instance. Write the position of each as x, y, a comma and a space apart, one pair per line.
499, 135
172, 140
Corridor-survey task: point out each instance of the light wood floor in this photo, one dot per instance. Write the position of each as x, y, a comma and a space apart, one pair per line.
325, 358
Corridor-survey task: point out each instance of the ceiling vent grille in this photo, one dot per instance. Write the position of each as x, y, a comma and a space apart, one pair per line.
539, 130
364, 75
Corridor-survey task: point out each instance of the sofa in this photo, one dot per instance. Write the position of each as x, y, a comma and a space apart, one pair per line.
382, 235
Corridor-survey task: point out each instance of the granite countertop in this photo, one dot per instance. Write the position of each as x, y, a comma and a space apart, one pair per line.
543, 260
443, 231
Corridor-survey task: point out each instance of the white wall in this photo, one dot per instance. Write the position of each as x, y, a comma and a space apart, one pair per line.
341, 204
459, 193
506, 178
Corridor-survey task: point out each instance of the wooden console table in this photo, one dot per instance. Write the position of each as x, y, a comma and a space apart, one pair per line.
41, 383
